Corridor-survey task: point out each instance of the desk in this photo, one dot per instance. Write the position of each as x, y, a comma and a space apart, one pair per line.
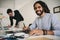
40, 36
46, 36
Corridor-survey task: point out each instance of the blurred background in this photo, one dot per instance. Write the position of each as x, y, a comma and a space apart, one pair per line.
26, 9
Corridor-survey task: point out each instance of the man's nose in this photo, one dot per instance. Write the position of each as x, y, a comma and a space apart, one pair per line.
37, 9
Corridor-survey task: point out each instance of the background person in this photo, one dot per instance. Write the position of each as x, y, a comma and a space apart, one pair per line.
17, 16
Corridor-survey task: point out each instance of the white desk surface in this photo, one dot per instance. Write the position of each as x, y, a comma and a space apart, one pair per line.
47, 36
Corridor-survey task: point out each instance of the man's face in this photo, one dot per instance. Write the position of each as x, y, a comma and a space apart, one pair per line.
38, 9
10, 14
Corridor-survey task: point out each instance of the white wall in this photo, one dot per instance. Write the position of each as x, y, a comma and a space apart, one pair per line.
26, 9
4, 5
7, 4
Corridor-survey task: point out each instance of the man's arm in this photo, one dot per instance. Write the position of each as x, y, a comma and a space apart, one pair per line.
48, 32
11, 21
36, 32
41, 32
56, 25
16, 23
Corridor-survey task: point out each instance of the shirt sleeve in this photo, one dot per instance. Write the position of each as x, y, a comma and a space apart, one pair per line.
11, 21
33, 26
16, 22
56, 25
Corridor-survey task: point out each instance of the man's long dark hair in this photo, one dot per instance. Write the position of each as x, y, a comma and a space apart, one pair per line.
44, 6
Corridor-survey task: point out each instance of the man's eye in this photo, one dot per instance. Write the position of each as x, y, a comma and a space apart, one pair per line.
39, 7
35, 8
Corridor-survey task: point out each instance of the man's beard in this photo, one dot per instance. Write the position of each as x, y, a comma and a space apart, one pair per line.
39, 14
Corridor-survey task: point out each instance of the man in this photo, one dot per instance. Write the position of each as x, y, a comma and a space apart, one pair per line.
46, 23
17, 16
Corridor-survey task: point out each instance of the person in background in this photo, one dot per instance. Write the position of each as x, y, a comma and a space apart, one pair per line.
17, 16
46, 23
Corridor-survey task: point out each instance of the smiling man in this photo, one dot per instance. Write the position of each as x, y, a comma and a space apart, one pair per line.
46, 23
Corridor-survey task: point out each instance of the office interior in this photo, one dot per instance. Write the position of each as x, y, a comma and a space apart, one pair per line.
25, 7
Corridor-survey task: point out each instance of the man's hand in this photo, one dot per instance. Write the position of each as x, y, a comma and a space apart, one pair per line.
16, 26
25, 28
36, 32
49, 32
9, 26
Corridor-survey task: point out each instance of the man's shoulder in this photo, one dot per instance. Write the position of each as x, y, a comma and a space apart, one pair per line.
52, 15
49, 14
